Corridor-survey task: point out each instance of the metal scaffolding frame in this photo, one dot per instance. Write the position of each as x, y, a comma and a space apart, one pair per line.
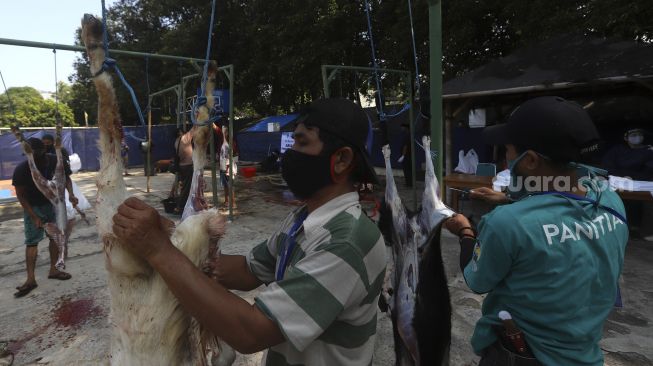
228, 70
327, 78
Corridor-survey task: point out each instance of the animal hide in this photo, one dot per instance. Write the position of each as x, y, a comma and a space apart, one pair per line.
148, 325
55, 191
415, 289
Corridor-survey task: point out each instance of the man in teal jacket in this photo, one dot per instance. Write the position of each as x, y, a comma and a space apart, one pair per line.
551, 258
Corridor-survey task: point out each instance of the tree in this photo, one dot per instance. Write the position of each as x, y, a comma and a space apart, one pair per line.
277, 47
31, 110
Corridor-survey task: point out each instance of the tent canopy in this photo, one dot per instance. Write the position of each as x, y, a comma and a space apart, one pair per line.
262, 125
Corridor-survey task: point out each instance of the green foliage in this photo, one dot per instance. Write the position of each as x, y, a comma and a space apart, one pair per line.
32, 110
277, 47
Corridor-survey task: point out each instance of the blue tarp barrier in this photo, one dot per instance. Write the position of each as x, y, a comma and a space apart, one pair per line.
255, 146
262, 125
83, 142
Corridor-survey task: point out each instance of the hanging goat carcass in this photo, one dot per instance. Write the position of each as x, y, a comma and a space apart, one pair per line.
55, 191
148, 325
415, 288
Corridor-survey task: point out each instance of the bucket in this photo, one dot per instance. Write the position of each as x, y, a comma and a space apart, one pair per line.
248, 171
169, 204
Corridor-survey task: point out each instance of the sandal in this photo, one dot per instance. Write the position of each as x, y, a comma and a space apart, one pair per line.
60, 276
24, 290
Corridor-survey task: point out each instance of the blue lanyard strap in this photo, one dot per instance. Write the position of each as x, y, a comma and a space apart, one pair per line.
290, 245
585, 199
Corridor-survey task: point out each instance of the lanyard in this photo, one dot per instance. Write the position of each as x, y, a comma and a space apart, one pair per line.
585, 199
290, 245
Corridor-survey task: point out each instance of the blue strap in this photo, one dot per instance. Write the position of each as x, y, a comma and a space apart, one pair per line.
290, 245
584, 199
201, 99
111, 64
412, 34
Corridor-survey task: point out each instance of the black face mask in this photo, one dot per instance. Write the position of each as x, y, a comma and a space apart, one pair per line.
305, 174
49, 149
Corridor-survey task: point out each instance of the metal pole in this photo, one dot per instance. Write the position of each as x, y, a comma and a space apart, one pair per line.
411, 120
232, 180
149, 148
214, 179
325, 83
65, 47
435, 71
363, 68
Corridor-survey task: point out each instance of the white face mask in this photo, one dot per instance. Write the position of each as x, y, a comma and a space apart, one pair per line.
635, 139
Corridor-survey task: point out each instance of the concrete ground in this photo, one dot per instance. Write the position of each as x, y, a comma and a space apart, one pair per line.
65, 322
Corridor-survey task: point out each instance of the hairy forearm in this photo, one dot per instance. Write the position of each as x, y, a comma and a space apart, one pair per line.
235, 275
241, 325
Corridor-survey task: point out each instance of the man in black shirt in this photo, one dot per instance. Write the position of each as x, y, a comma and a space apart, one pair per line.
37, 211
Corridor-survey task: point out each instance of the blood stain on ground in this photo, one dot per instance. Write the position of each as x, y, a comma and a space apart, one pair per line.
73, 313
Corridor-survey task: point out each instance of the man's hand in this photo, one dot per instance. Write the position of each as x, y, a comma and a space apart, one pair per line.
139, 227
459, 225
488, 195
37, 221
73, 200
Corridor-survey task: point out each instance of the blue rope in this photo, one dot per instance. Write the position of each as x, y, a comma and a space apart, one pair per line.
201, 99
133, 136
111, 64
374, 63
412, 33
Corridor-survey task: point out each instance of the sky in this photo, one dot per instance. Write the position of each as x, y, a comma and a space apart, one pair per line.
49, 21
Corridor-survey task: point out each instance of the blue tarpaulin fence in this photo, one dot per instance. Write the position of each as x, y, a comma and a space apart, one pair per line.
83, 142
255, 146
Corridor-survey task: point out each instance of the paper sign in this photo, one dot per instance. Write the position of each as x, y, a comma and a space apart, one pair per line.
286, 141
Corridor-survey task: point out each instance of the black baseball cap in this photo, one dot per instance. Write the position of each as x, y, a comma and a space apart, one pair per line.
346, 120
552, 126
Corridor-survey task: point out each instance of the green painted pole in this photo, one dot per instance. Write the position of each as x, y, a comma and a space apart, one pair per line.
435, 80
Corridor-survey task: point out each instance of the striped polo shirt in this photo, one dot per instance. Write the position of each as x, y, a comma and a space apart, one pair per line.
326, 303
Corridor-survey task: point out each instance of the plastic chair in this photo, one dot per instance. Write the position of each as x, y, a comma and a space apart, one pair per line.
486, 170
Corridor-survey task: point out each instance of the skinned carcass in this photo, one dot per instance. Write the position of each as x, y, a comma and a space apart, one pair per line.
148, 325
415, 289
55, 191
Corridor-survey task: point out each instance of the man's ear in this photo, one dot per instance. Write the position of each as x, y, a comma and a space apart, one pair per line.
531, 160
343, 161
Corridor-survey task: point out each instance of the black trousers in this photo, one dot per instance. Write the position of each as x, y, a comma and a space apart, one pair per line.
497, 355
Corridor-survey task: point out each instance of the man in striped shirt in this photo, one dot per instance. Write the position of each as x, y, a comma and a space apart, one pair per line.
323, 268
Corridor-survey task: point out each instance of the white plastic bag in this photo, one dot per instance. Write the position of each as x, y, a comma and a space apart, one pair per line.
82, 203
501, 181
467, 163
75, 163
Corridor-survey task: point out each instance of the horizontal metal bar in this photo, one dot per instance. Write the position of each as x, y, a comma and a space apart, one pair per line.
65, 47
163, 91
367, 69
